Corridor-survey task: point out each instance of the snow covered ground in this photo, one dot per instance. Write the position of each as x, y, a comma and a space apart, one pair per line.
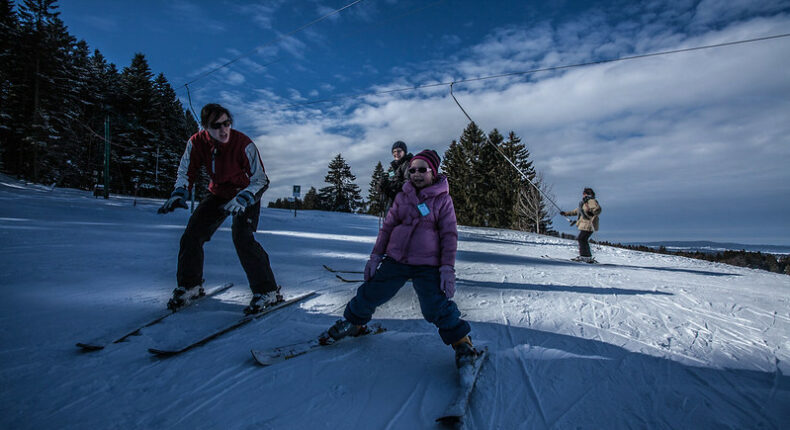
640, 341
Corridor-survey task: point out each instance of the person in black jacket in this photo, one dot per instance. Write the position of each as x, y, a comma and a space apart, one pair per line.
397, 174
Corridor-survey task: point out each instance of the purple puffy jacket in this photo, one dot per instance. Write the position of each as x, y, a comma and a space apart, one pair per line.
409, 237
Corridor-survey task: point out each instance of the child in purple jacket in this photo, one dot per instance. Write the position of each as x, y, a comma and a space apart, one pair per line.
417, 241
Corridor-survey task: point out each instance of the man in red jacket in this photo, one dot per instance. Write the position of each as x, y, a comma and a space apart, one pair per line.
238, 180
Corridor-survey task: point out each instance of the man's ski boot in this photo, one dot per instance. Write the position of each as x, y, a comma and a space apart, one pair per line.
342, 328
260, 301
183, 295
465, 352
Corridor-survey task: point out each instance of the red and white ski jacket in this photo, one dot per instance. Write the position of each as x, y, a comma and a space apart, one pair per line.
233, 167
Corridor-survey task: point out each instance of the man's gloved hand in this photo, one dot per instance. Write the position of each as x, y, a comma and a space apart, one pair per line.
239, 203
372, 266
177, 200
447, 280
563, 213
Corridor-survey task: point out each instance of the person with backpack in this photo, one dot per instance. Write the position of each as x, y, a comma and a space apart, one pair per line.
587, 223
392, 184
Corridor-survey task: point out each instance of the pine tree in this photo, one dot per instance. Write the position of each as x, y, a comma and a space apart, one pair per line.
527, 204
10, 36
44, 62
459, 164
103, 83
376, 199
521, 192
485, 202
172, 131
342, 194
136, 141
311, 200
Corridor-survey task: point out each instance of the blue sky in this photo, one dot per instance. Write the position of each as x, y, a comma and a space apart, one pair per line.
690, 146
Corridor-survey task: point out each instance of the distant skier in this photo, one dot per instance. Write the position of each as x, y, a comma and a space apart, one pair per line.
417, 241
587, 223
392, 184
238, 180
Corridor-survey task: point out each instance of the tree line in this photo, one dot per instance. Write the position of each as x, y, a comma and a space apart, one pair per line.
742, 258
55, 97
486, 190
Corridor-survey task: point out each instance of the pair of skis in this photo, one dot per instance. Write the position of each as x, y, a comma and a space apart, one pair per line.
101, 343
169, 352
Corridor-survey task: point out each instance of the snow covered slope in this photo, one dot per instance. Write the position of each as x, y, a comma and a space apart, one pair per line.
640, 341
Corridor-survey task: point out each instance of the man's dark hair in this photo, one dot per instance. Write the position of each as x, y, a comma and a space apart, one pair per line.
589, 192
211, 112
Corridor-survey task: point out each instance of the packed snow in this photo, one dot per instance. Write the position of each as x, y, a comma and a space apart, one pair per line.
640, 341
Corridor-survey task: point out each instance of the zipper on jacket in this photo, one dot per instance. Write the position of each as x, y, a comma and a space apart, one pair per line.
213, 160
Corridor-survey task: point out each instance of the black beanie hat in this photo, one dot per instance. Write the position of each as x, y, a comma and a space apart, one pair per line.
399, 144
431, 157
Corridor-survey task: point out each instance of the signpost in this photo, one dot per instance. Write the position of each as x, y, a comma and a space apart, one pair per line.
297, 192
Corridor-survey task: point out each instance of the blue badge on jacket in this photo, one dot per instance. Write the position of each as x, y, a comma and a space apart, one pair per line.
423, 208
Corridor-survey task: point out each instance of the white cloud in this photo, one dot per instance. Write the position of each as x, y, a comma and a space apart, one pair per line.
262, 14
710, 122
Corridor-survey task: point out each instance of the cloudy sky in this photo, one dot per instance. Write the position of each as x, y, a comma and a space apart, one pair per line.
689, 146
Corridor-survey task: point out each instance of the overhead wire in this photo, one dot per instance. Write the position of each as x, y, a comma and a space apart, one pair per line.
533, 71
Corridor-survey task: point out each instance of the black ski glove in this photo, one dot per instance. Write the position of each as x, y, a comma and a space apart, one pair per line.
177, 200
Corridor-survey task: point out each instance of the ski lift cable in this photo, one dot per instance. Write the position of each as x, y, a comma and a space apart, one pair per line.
277, 39
544, 69
191, 108
499, 150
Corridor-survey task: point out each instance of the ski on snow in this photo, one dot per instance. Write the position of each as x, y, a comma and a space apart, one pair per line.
467, 376
336, 272
341, 271
571, 260
106, 340
349, 280
169, 352
280, 354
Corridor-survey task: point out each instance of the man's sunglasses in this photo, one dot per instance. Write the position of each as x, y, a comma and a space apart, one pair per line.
419, 169
218, 125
